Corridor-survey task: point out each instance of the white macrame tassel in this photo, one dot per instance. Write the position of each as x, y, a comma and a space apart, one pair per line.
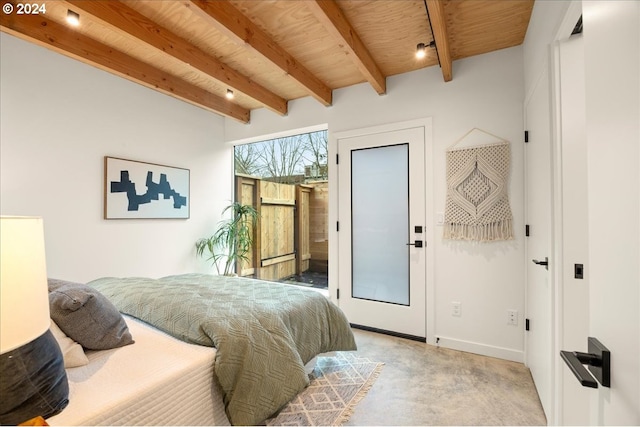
501, 230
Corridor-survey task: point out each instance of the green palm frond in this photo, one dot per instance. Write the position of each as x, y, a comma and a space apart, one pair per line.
233, 238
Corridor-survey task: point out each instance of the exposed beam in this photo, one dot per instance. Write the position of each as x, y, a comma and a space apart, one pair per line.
238, 27
330, 15
439, 28
134, 23
62, 39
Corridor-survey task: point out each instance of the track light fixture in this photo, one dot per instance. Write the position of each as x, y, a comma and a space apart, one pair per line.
229, 94
421, 49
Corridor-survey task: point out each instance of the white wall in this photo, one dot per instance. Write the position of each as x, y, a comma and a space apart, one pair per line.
59, 119
486, 92
546, 18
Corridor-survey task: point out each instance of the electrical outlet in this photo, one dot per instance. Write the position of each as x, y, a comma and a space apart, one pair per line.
456, 308
512, 317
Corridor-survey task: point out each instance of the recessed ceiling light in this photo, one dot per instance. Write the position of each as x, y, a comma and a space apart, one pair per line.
73, 18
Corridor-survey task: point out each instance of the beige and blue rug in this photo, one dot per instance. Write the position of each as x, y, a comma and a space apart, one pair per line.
338, 383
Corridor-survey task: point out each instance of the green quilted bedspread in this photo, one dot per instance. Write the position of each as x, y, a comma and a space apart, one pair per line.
264, 332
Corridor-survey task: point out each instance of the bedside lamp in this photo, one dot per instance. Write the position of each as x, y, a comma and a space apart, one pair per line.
23, 285
33, 381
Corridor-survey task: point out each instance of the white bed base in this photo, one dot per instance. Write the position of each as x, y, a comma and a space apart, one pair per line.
159, 380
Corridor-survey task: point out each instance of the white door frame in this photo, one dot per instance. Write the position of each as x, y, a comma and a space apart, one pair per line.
334, 179
565, 29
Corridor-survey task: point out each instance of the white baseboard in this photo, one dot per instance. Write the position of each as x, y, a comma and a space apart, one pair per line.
483, 349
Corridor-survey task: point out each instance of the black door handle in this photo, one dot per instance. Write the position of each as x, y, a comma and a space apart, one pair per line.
574, 362
545, 263
417, 244
598, 360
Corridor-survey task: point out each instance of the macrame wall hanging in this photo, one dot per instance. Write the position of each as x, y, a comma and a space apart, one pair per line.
477, 206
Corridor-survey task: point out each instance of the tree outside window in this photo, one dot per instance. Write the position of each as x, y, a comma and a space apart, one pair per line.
290, 160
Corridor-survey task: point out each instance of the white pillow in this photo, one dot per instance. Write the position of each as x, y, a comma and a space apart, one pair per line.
72, 352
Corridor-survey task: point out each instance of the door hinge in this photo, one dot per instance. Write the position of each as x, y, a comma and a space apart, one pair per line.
526, 324
526, 136
337, 225
338, 293
337, 159
526, 230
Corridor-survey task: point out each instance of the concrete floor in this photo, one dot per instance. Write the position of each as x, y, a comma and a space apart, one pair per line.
425, 385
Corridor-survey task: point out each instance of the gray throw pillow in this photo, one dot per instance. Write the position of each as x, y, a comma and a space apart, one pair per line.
87, 316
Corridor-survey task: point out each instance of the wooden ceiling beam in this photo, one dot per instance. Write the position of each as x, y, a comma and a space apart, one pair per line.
441, 37
62, 39
330, 15
132, 22
240, 28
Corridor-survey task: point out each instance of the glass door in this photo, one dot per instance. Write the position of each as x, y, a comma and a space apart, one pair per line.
381, 239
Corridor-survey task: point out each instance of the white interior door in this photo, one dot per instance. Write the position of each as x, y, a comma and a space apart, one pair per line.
539, 295
382, 248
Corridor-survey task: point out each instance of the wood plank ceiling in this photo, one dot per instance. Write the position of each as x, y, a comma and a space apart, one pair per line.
270, 51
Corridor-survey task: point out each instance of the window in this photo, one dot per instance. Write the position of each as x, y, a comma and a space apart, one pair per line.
290, 160
293, 243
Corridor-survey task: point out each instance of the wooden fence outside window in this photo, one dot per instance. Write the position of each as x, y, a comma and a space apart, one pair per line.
291, 234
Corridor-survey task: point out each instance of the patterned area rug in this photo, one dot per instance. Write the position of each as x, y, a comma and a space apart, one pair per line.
338, 383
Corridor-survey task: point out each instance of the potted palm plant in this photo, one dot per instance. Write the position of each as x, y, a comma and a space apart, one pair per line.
232, 240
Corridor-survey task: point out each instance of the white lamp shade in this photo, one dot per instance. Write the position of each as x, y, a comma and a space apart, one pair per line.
24, 296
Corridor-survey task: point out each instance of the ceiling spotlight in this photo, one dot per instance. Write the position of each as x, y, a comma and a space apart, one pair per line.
229, 94
73, 18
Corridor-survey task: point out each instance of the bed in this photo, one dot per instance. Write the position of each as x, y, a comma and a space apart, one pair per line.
208, 350
158, 380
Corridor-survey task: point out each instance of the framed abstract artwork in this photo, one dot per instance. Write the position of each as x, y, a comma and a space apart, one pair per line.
139, 190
